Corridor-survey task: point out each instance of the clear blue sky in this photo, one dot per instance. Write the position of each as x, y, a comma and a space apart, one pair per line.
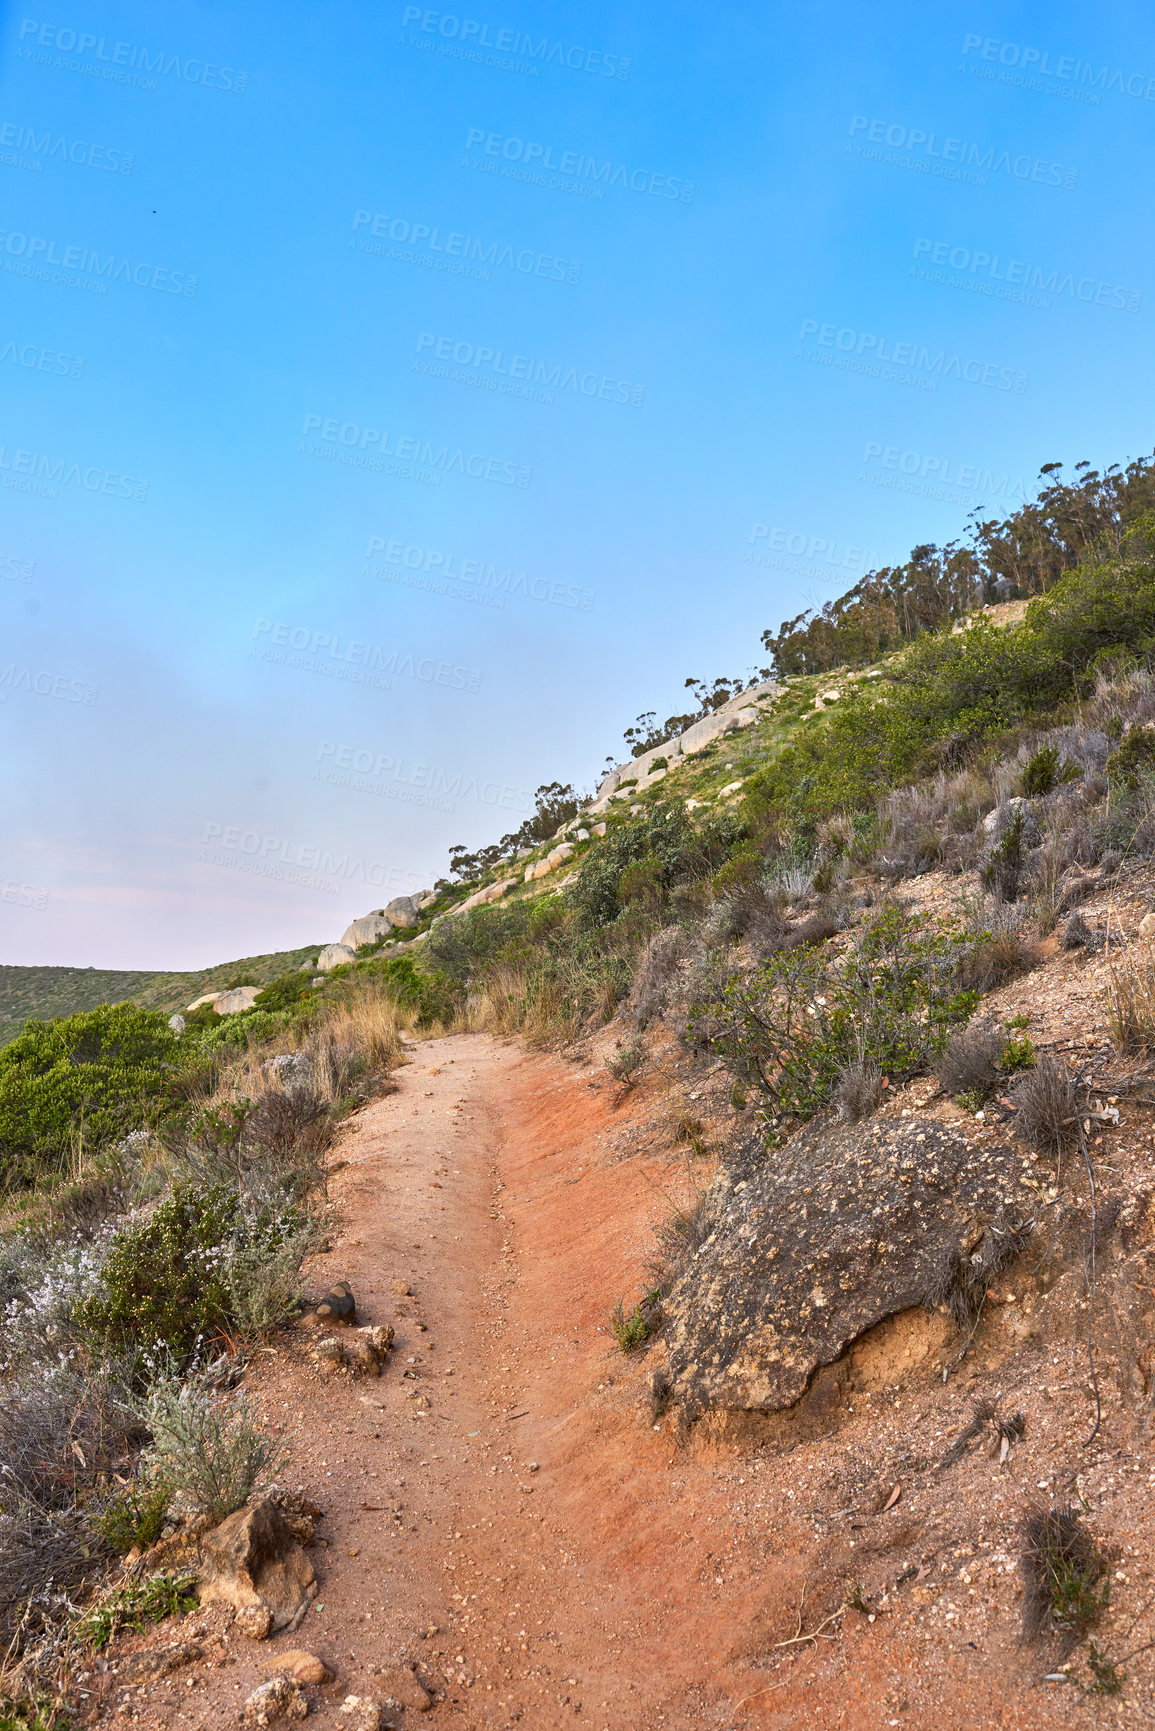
397, 401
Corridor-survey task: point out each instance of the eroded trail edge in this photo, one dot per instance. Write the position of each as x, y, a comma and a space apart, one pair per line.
502, 1511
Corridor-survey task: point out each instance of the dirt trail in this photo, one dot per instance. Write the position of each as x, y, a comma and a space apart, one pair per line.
623, 1582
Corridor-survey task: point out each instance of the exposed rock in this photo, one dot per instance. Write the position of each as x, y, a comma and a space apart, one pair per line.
400, 911
480, 898
254, 1622
177, 1024
299, 1666
361, 1354
253, 1562
338, 1305
205, 998
369, 929
158, 1661
401, 1683
335, 956
279, 1698
299, 1513
400, 1287
814, 1243
232, 1003
599, 828
361, 1713
1147, 925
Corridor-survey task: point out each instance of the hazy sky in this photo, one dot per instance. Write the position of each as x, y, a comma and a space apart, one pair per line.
397, 401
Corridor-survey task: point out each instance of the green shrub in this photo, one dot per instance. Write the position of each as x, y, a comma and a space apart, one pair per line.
1045, 771
291, 992
207, 1448
668, 849
633, 1328
1133, 758
180, 1278
428, 993
96, 1076
133, 1518
1007, 861
794, 1026
133, 1606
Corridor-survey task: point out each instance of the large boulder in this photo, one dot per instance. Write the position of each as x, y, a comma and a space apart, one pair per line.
335, 956
480, 898
369, 929
817, 1242
232, 1003
401, 911
253, 1562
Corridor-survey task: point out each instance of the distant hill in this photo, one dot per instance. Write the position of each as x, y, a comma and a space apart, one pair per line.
46, 992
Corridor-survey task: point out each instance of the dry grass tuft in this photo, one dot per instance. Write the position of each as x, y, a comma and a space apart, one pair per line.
1130, 999
1047, 1106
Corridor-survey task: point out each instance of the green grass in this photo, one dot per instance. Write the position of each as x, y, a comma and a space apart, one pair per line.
135, 1606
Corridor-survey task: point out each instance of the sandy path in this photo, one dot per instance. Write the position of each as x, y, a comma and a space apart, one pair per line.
620, 1582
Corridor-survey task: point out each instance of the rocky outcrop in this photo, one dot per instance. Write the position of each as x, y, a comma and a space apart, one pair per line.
480, 898
815, 1243
369, 929
649, 767
279, 1698
541, 868
232, 1003
335, 956
253, 1562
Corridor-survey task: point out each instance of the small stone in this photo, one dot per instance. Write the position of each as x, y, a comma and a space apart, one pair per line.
400, 1287
402, 1684
299, 1666
279, 1698
159, 1662
254, 1622
362, 1713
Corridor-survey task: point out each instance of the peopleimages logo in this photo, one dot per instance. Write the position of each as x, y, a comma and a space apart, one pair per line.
54, 147
863, 351
378, 772
519, 375
32, 255
122, 61
358, 445
584, 170
362, 663
953, 158
40, 683
1036, 64
811, 548
38, 359
311, 867
471, 33
434, 568
34, 472
1016, 279
932, 476
459, 254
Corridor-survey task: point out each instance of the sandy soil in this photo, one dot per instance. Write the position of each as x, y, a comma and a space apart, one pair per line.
502, 1511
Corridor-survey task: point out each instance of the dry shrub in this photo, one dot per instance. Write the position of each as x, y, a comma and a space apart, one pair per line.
1130, 999
683, 1231
931, 823
1046, 1103
859, 1092
1005, 948
969, 1063
656, 976
1062, 1567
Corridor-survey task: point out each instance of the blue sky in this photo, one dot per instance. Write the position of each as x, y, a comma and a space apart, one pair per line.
396, 401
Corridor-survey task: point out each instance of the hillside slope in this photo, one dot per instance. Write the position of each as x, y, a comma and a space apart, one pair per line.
41, 993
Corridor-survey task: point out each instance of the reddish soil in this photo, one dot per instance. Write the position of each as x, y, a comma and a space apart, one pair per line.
502, 1511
